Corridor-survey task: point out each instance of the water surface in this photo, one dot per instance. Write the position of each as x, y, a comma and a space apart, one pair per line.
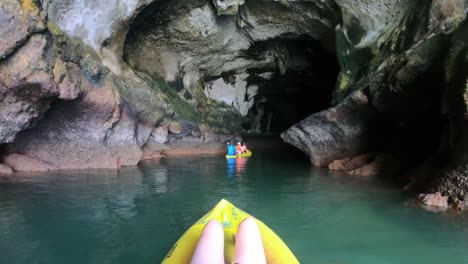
136, 214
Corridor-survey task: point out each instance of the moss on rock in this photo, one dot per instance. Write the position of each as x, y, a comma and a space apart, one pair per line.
54, 28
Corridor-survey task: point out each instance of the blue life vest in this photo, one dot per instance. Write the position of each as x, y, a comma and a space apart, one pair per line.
231, 150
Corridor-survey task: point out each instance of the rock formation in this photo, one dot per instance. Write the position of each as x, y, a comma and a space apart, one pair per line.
409, 58
103, 84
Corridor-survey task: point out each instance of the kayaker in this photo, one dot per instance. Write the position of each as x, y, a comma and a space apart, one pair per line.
238, 148
248, 248
231, 150
243, 147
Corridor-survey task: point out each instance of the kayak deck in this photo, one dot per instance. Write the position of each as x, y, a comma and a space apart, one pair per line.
276, 251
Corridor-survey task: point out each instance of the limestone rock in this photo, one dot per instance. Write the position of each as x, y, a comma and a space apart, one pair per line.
228, 7
383, 165
446, 15
352, 163
90, 133
19, 19
435, 200
21, 162
159, 134
5, 170
26, 88
233, 93
340, 132
68, 77
460, 205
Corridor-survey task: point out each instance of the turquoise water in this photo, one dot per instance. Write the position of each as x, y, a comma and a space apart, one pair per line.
136, 214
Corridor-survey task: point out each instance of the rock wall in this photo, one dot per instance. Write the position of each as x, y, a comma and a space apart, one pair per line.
409, 58
92, 95
64, 108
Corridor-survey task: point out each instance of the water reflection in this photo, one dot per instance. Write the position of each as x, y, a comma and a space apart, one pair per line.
231, 167
236, 167
134, 215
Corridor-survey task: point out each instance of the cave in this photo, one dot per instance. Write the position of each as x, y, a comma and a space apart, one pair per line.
303, 87
280, 79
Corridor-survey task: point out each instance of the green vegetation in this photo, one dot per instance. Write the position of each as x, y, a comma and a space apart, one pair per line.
54, 28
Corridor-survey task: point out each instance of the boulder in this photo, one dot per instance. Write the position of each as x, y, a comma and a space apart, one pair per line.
343, 131
352, 163
5, 170
434, 199
383, 165
159, 134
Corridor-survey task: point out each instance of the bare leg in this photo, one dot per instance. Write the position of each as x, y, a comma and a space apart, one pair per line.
210, 247
249, 246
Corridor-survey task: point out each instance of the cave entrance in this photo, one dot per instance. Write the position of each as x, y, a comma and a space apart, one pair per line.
302, 84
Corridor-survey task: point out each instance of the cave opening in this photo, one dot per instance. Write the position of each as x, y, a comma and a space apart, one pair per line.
273, 82
301, 85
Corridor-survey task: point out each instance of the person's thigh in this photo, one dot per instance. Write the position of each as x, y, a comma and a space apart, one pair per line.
210, 246
249, 246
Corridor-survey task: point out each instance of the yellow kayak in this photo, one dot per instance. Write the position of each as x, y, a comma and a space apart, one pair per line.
243, 155
230, 217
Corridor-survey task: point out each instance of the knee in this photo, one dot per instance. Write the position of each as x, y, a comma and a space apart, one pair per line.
213, 226
248, 223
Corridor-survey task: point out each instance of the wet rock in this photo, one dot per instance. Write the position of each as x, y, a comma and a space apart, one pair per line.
460, 205
21, 162
153, 150
343, 131
435, 200
90, 133
5, 170
190, 149
352, 163
383, 165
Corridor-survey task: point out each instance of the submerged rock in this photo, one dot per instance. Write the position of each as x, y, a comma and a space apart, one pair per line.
347, 164
384, 165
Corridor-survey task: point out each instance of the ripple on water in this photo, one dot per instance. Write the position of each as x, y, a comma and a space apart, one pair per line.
134, 215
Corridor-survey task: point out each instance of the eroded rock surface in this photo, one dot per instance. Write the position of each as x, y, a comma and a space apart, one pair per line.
5, 170
19, 19
436, 200
344, 131
27, 88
